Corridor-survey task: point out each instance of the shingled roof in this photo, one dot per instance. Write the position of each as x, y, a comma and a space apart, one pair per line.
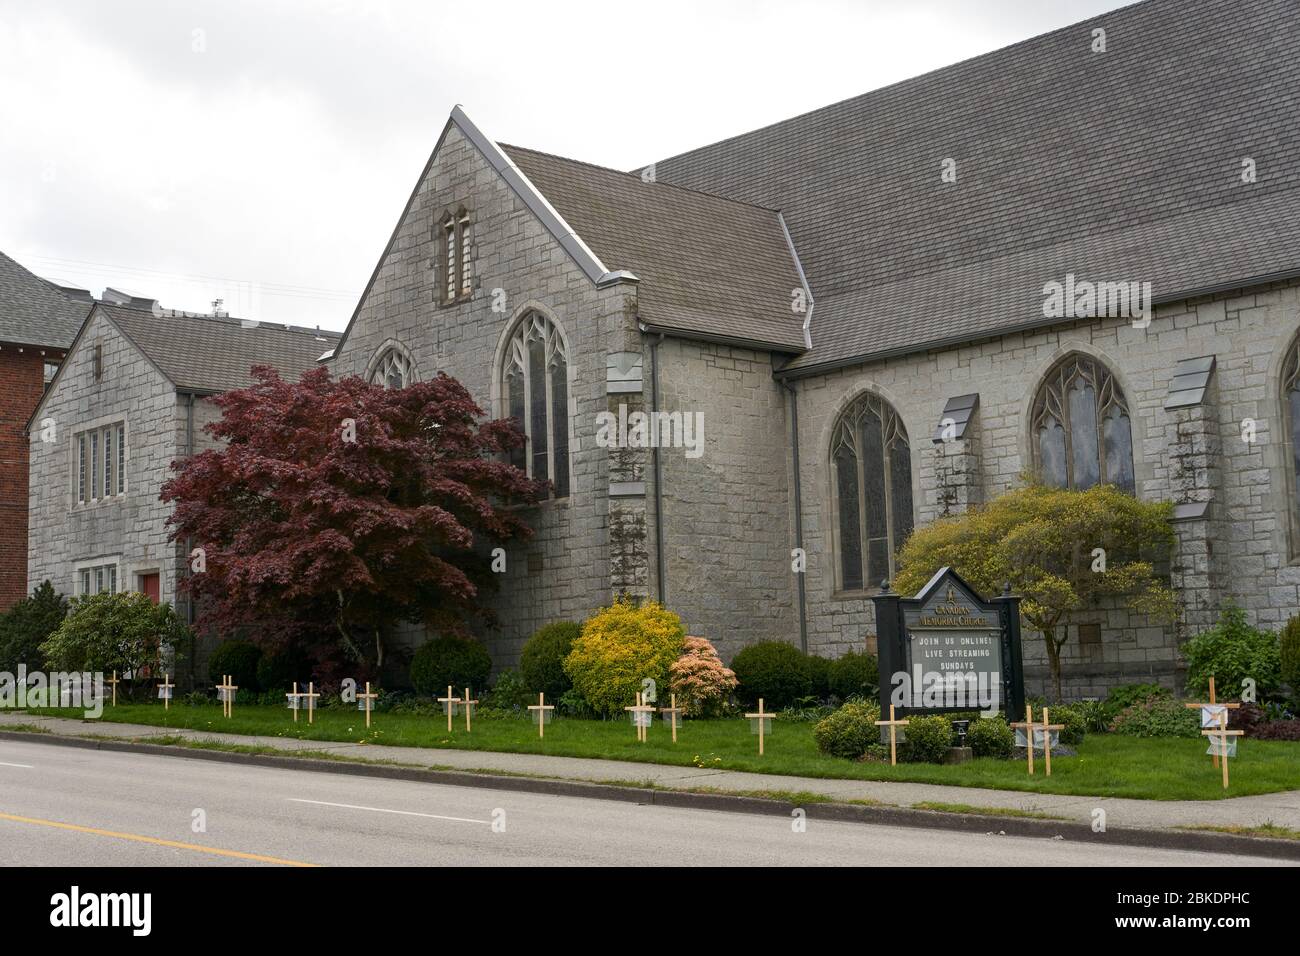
214, 354
707, 265
34, 311
1117, 166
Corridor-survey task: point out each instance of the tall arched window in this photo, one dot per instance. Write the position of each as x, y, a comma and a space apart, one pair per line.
871, 466
1291, 411
1082, 435
535, 385
393, 369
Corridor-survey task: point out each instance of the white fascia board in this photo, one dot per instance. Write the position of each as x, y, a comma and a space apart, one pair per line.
532, 197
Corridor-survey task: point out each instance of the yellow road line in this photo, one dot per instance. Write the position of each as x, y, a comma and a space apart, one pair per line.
154, 840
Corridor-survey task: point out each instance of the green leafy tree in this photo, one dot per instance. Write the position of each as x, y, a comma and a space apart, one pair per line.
114, 632
1062, 550
28, 624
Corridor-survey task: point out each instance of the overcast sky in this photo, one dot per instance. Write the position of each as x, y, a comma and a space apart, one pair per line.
260, 151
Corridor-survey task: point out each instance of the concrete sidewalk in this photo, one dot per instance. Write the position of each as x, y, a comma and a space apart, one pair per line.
1279, 809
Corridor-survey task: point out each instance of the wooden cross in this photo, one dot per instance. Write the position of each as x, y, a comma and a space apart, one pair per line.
469, 706
1047, 741
227, 696
450, 703
672, 713
311, 696
762, 717
1222, 733
295, 699
543, 711
1028, 728
114, 682
367, 697
165, 691
1212, 703
893, 726
641, 718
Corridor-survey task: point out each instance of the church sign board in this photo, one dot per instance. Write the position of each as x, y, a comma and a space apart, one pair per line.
947, 650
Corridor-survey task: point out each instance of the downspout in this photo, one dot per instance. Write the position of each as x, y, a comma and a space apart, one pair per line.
661, 574
189, 542
798, 513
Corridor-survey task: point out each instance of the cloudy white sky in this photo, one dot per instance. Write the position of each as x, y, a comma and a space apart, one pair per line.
260, 151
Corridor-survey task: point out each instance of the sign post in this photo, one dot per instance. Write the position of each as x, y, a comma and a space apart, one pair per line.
948, 650
367, 699
641, 717
1210, 713
469, 709
1048, 727
165, 691
759, 723
541, 713
1027, 728
893, 724
673, 713
114, 682
311, 696
295, 701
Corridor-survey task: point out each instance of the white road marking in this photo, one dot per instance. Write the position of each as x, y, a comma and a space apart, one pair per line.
405, 813
25, 766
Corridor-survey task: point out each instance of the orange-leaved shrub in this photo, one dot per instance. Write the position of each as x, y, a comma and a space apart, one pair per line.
700, 680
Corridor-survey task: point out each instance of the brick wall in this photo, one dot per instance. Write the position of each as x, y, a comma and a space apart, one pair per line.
21, 385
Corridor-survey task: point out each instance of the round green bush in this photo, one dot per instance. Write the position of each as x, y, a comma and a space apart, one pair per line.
542, 663
511, 692
279, 669
239, 660
991, 737
819, 675
449, 660
1075, 721
849, 731
1231, 652
773, 670
928, 739
854, 674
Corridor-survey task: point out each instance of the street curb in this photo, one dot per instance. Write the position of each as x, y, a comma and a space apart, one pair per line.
1189, 840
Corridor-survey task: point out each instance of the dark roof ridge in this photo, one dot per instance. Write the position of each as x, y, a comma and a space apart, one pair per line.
636, 176
232, 320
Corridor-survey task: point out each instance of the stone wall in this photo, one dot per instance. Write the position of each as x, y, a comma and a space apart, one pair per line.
728, 514
127, 530
21, 386
1240, 549
565, 571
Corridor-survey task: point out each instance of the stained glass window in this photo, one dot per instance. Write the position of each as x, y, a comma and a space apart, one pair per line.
872, 470
1082, 434
535, 383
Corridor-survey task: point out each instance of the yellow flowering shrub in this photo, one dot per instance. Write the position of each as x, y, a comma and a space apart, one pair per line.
619, 647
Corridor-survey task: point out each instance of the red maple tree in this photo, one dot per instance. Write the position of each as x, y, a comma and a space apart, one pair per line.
335, 509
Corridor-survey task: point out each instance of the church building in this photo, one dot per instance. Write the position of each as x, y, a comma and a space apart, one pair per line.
1077, 257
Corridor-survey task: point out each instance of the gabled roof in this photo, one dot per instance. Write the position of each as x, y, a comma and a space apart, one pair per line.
214, 354
1117, 166
707, 266
34, 311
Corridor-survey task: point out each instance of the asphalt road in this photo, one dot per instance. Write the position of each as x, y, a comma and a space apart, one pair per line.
74, 807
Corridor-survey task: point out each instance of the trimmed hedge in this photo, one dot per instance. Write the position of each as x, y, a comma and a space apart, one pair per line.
458, 661
239, 659
928, 739
773, 670
542, 663
855, 674
991, 737
849, 731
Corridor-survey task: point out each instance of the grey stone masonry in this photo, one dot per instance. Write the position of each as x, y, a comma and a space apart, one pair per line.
126, 531
587, 547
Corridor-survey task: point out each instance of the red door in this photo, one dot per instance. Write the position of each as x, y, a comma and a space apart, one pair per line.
149, 585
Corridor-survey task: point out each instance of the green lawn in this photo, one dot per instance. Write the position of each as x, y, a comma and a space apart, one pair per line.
1107, 765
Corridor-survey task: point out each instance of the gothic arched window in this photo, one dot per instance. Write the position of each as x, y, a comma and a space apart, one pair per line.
535, 387
1082, 435
1291, 412
392, 369
871, 467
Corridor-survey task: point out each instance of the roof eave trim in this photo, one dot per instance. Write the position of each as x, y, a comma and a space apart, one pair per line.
803, 279
821, 368
733, 340
532, 197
